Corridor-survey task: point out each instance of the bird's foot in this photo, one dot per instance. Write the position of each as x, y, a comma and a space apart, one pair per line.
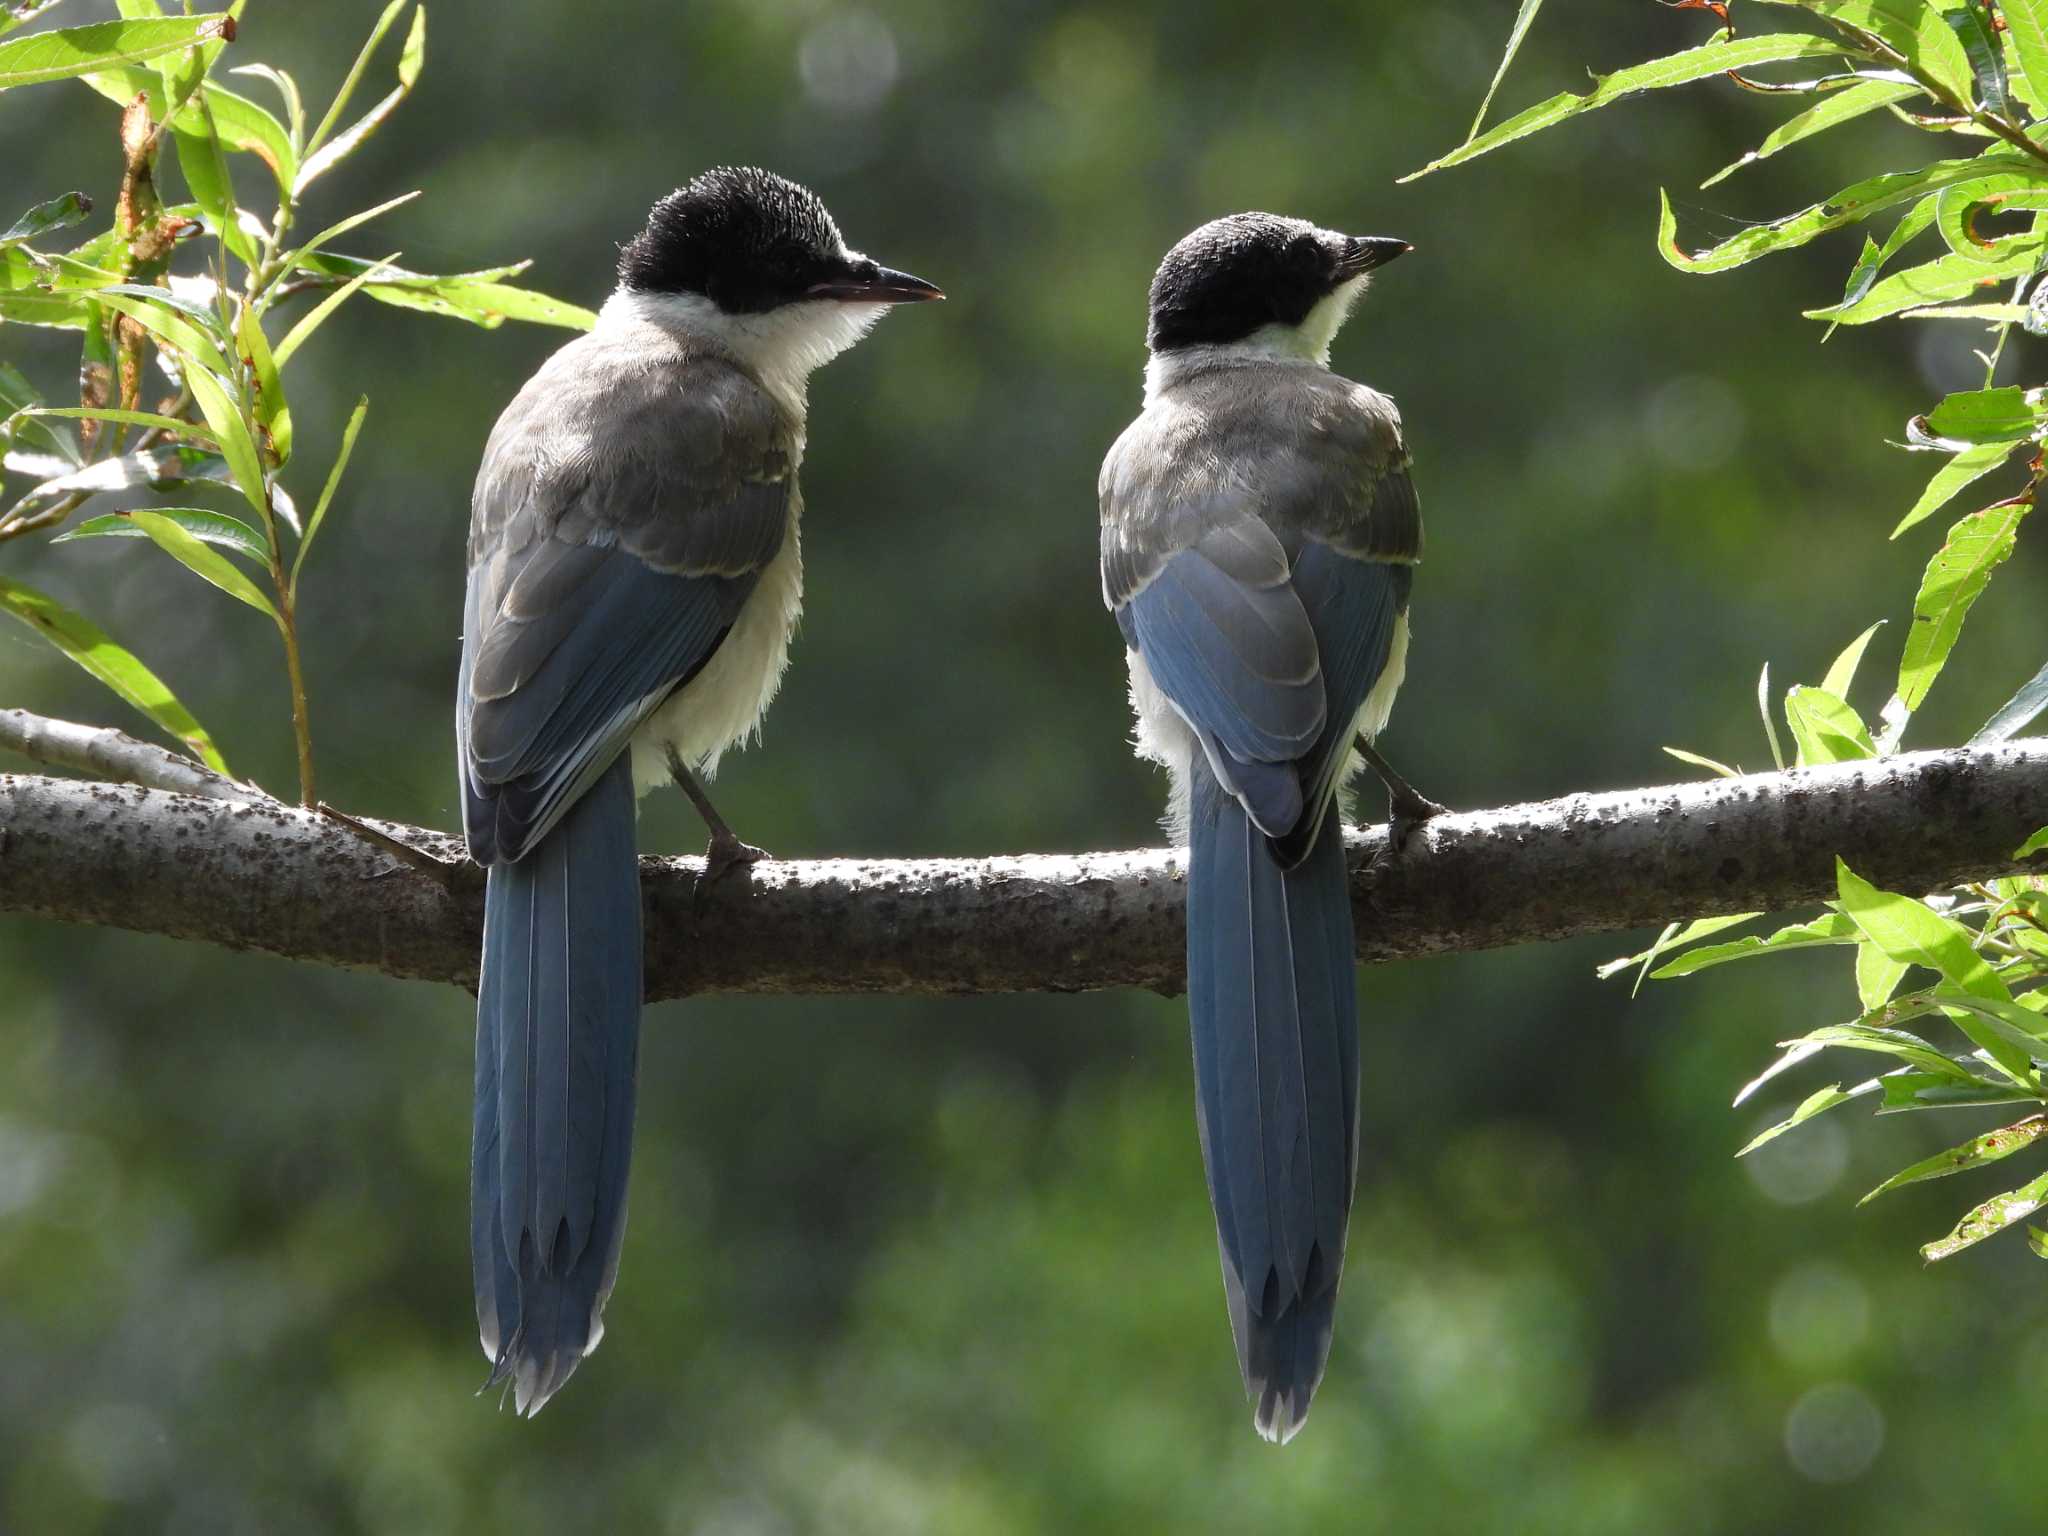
1407, 808
724, 854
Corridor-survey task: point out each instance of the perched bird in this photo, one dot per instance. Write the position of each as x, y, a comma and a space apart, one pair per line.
633, 581
1258, 533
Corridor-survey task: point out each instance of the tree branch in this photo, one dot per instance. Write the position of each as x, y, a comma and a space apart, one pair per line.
262, 875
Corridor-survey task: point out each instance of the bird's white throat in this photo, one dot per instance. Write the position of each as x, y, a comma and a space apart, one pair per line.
780, 347
1308, 342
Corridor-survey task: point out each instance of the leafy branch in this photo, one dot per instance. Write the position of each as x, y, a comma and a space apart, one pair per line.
1973, 70
195, 286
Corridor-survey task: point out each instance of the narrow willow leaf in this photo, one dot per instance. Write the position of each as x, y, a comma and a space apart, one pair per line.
1973, 30
1955, 578
2017, 714
1677, 69
1967, 467
1835, 108
57, 213
125, 473
189, 552
2026, 24
232, 432
2038, 843
288, 92
2037, 1242
1903, 1044
2006, 415
158, 315
1851, 205
1989, 1219
206, 173
87, 644
25, 425
1990, 314
1877, 976
73, 51
1933, 282
348, 445
1958, 207
1842, 671
207, 526
1674, 936
1914, 932
410, 61
1825, 728
2007, 1033
273, 414
1974, 1153
1907, 1091
1916, 29
1763, 705
1523, 17
1831, 929
336, 231
1702, 762
172, 424
354, 76
1814, 1104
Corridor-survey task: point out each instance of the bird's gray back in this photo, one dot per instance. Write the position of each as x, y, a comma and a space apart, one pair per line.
1312, 454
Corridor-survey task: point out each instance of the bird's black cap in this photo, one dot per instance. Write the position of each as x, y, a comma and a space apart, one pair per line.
1235, 275
750, 241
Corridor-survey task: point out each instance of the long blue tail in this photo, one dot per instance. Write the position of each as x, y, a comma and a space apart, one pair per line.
557, 1045
1275, 1024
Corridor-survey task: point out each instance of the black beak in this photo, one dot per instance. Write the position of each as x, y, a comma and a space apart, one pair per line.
870, 284
1362, 253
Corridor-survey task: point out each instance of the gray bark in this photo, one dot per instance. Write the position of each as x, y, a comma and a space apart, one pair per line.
263, 875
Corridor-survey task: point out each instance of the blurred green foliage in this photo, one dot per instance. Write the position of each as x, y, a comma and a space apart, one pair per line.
901, 1265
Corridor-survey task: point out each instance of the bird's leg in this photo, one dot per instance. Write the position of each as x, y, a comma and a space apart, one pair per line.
1407, 808
725, 852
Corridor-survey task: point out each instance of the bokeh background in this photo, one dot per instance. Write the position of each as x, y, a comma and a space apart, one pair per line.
906, 1266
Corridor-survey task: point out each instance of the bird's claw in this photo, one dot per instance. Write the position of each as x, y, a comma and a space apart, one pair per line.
723, 855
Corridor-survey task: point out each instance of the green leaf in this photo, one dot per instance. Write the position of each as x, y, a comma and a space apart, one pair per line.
295, 111
207, 526
236, 445
1901, 1043
1932, 282
1915, 933
480, 298
117, 474
2010, 414
1972, 27
346, 143
1974, 1153
2037, 1242
1967, 467
348, 444
87, 644
273, 415
1954, 580
189, 552
1831, 929
354, 76
127, 418
1989, 1219
1907, 1091
1958, 207
57, 213
74, 51
1851, 205
337, 230
1877, 976
160, 315
1826, 729
1678, 69
1763, 704
2026, 24
1916, 29
1842, 672
1835, 108
213, 188
2016, 715
2038, 843
1813, 1104
23, 422
2009, 1034
1673, 937
1702, 762
1523, 17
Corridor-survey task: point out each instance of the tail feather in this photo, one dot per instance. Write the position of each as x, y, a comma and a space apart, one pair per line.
558, 1032
1274, 1020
